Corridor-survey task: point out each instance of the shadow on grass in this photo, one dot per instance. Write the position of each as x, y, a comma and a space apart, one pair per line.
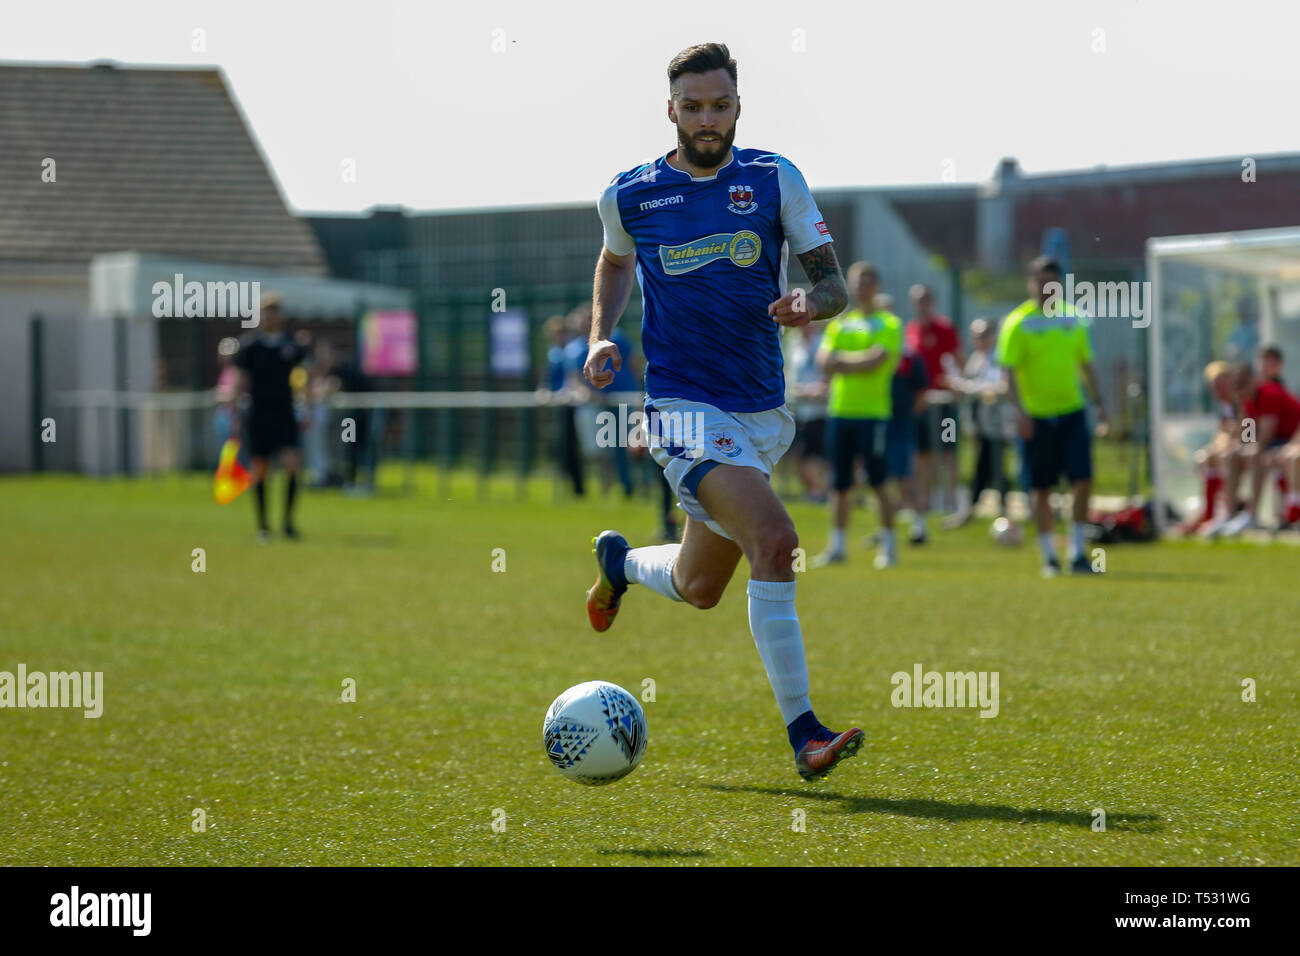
665, 853
939, 810
1177, 577
370, 540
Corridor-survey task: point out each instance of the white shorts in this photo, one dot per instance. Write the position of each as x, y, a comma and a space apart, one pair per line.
688, 439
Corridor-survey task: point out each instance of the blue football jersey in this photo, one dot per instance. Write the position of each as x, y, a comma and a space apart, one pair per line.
711, 254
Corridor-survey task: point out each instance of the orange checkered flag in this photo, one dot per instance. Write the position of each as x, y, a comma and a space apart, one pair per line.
232, 478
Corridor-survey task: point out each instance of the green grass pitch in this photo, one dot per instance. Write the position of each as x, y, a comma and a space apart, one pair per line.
222, 693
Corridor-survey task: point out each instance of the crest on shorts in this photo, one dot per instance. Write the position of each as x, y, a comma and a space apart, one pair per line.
724, 443
742, 200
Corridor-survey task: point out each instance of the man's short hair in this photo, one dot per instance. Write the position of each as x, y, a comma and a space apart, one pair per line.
1215, 369
702, 58
860, 267
1045, 264
981, 326
1271, 351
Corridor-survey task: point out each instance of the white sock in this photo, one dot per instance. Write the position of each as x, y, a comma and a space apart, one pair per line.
775, 626
1076, 540
1045, 545
837, 540
887, 541
653, 567
918, 523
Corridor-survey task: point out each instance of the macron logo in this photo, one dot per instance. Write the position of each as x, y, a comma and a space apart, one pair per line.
666, 201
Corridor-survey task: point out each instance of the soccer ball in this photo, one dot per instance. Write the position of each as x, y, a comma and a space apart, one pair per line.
595, 732
1005, 532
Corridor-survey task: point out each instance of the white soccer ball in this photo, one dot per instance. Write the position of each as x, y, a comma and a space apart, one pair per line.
595, 732
1005, 532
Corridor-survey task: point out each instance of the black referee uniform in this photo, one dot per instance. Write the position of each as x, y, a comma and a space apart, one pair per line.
269, 421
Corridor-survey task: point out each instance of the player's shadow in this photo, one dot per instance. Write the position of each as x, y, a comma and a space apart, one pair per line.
940, 810
1175, 577
661, 853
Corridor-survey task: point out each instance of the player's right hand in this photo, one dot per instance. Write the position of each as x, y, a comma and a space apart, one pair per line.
598, 353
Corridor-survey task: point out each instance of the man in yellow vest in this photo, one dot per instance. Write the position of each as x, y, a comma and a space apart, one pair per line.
859, 352
1047, 354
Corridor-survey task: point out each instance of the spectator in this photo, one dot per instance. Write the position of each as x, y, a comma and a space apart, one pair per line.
982, 381
808, 388
316, 437
567, 453
350, 379
624, 384
934, 338
227, 391
907, 402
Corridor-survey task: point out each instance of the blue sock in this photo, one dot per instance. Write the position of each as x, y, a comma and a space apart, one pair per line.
803, 729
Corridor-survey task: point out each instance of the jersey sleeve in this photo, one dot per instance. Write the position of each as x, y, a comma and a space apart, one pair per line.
617, 240
829, 335
800, 218
244, 357
893, 344
1269, 402
1085, 342
1008, 352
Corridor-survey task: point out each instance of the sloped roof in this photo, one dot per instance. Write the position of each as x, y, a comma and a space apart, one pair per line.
151, 160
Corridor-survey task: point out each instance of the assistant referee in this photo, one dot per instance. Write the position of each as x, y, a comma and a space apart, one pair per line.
266, 359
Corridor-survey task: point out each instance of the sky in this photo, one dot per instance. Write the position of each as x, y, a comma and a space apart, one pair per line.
434, 105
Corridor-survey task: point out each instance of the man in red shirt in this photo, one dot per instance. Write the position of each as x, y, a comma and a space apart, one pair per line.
1274, 414
934, 338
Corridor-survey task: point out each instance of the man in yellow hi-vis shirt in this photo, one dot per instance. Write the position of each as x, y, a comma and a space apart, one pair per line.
1047, 354
859, 352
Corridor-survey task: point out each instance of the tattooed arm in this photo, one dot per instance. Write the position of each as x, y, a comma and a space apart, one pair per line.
827, 297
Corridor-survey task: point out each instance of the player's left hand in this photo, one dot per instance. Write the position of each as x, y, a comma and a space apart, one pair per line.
791, 310
1103, 423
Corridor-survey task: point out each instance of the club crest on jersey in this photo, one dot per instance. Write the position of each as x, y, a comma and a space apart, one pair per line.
742, 200
724, 443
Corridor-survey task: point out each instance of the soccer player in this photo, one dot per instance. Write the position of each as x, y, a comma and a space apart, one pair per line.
1045, 354
860, 351
935, 339
1276, 414
266, 358
706, 229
